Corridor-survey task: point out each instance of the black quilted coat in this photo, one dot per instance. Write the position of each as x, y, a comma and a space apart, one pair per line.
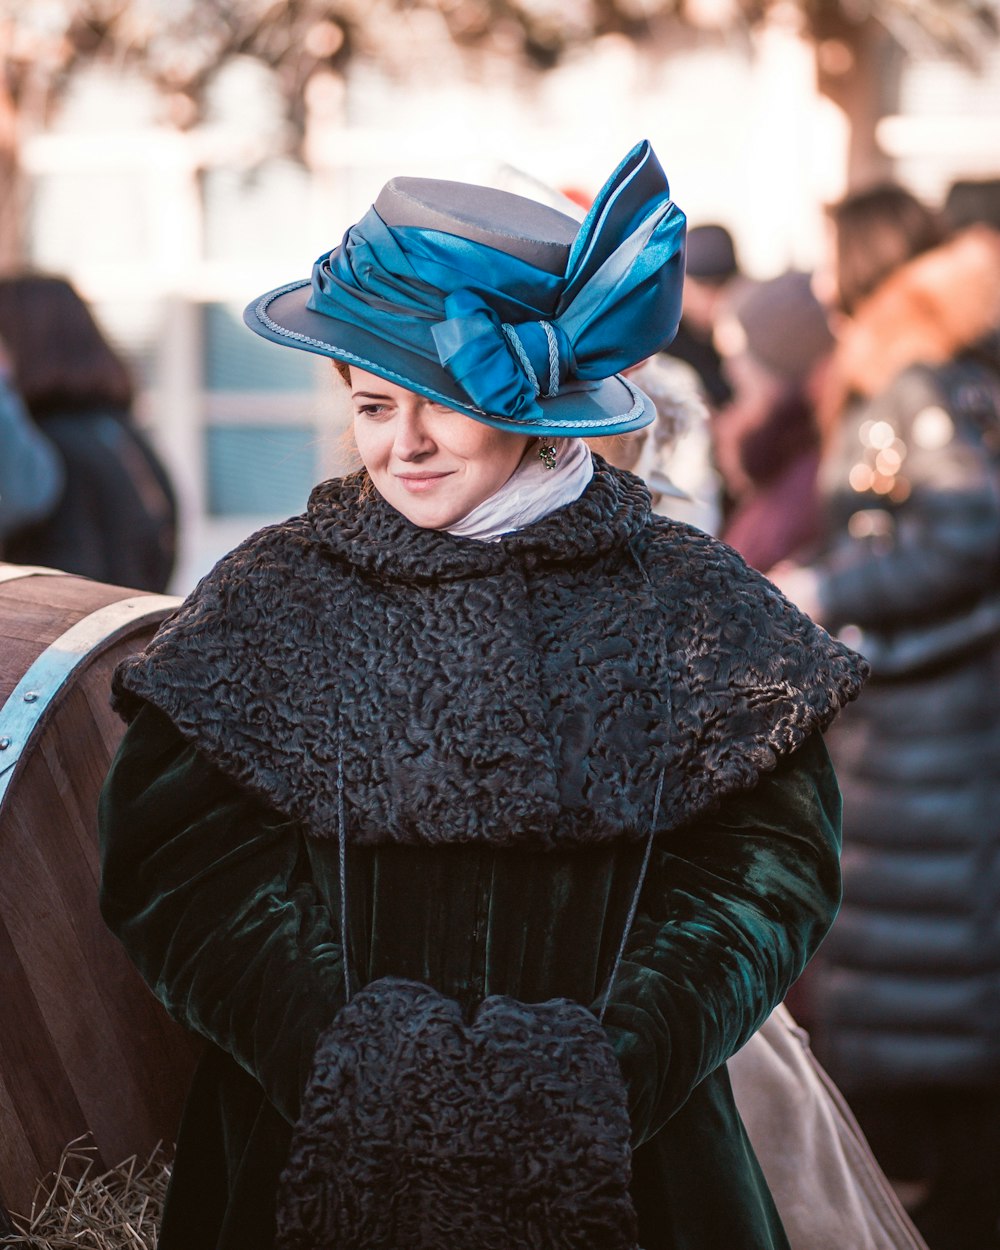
907, 989
373, 758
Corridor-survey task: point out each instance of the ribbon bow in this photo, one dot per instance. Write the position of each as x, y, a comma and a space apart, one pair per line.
618, 302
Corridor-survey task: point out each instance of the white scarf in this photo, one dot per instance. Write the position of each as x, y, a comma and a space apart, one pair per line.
531, 492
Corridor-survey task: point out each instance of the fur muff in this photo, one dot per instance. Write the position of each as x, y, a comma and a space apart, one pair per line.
421, 1131
524, 692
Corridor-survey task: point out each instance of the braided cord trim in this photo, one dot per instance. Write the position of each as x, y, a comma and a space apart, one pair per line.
514, 339
553, 342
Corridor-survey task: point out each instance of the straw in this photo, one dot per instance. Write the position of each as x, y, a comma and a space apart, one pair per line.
74, 1209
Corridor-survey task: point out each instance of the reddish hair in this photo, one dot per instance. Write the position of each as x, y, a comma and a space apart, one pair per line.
877, 232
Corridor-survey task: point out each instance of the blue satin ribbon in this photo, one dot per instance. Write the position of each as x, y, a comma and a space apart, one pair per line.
479, 312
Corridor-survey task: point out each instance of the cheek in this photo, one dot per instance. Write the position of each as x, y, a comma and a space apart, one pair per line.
501, 453
369, 442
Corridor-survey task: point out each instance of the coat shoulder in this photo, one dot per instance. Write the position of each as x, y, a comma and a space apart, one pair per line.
753, 662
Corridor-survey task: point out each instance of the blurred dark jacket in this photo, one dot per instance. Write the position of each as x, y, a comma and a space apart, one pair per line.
906, 986
696, 349
117, 518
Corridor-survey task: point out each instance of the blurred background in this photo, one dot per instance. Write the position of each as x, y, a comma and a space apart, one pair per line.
175, 158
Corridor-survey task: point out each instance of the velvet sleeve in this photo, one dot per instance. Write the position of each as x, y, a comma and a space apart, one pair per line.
206, 888
732, 908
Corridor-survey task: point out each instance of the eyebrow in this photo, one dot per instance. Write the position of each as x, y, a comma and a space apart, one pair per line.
370, 395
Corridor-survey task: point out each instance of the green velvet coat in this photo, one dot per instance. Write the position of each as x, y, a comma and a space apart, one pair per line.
228, 899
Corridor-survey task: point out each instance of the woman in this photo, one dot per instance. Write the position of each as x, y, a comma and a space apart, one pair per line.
905, 989
115, 519
475, 817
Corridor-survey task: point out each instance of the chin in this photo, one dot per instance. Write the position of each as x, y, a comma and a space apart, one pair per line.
428, 515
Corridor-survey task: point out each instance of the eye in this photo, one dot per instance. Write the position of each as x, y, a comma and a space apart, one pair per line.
373, 411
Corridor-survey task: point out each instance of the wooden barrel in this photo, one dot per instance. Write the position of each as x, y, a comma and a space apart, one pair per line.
85, 1048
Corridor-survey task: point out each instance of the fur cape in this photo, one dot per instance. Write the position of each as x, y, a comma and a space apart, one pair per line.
427, 689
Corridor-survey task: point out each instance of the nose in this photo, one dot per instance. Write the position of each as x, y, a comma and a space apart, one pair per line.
411, 437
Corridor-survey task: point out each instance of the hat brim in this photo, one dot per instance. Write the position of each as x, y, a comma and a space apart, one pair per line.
588, 409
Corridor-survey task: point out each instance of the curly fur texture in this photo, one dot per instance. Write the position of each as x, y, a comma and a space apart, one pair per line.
422, 1132
526, 691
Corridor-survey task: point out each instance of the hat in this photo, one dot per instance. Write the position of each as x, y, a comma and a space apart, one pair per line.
711, 255
780, 323
500, 307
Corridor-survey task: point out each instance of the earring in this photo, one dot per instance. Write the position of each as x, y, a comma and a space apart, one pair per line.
547, 455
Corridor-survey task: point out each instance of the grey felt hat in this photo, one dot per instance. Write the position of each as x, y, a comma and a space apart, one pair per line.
495, 305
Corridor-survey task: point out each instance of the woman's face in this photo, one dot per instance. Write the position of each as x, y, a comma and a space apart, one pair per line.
433, 464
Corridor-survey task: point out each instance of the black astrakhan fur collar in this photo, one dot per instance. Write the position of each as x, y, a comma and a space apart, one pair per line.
528, 691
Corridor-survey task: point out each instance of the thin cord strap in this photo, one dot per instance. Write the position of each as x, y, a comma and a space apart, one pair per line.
342, 862
634, 907
637, 561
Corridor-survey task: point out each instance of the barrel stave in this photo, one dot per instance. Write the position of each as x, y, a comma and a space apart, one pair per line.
85, 1048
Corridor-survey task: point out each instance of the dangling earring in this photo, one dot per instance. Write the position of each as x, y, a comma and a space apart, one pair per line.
547, 455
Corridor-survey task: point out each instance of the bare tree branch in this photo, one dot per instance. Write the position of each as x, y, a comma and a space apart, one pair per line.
180, 45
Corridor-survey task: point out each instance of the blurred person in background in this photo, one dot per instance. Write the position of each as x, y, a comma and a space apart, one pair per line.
673, 456
906, 987
972, 201
776, 343
116, 518
31, 472
712, 268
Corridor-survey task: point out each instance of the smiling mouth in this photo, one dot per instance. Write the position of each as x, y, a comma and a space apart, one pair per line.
420, 481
